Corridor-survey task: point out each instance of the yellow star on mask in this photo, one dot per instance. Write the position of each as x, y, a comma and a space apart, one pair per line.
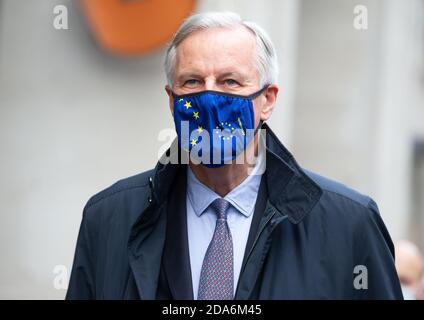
199, 129
187, 104
196, 115
193, 142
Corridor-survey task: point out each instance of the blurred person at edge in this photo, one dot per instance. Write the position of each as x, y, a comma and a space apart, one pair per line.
410, 269
225, 230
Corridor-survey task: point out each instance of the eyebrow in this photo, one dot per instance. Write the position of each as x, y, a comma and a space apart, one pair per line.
232, 74
224, 75
188, 75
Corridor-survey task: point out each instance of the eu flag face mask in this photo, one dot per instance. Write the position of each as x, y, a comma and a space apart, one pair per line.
214, 127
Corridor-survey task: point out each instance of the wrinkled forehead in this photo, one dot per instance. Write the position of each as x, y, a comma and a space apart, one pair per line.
214, 49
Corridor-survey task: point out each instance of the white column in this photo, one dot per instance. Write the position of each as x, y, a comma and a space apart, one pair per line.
394, 122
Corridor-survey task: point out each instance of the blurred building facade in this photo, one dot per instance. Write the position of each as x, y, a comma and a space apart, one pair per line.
350, 107
359, 103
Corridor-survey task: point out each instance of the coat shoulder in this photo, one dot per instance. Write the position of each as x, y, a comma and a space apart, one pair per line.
128, 184
354, 234
337, 190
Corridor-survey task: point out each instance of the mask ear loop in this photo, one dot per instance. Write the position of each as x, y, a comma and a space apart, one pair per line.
259, 92
261, 122
174, 95
254, 96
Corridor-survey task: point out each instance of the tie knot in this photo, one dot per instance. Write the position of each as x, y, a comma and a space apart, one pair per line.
220, 206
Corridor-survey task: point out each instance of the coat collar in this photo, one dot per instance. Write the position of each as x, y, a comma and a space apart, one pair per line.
291, 191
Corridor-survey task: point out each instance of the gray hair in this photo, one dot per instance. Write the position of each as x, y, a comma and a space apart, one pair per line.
267, 63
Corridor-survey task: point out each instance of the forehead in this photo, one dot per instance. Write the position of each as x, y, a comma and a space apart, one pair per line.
217, 49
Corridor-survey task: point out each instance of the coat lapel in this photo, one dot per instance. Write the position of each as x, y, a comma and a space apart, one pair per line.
148, 234
145, 254
291, 195
176, 259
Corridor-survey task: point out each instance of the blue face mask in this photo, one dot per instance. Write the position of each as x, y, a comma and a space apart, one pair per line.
214, 127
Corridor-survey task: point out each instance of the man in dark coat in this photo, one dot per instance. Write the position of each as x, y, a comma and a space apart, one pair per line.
200, 231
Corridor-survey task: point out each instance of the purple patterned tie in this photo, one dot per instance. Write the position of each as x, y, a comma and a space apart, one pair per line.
217, 275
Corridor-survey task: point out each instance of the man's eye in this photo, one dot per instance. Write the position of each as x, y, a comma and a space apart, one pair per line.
231, 82
191, 82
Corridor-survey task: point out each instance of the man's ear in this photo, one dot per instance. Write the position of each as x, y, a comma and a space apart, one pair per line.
171, 98
269, 98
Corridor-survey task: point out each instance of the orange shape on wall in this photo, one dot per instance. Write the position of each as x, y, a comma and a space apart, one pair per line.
133, 27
